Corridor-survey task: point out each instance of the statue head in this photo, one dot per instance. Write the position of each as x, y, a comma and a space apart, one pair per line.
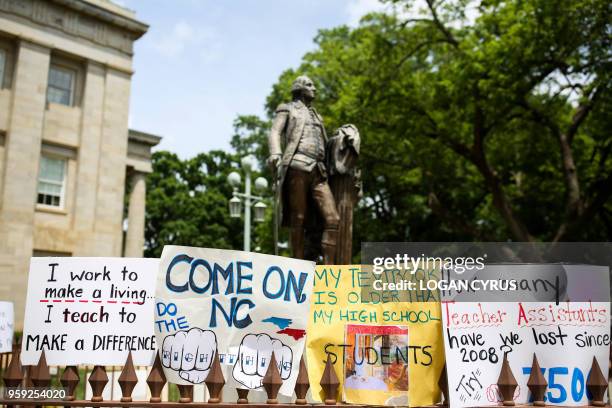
303, 87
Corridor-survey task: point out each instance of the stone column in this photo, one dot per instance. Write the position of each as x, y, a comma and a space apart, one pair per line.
22, 153
111, 164
134, 242
92, 123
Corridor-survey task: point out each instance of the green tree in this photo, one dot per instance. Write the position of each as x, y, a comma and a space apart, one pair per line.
187, 202
493, 128
251, 137
490, 129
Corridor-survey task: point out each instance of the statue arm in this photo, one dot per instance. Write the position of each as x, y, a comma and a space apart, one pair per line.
274, 138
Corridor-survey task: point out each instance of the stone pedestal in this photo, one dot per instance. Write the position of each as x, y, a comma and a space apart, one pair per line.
345, 193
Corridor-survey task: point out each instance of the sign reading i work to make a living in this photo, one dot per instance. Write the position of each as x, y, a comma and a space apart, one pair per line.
90, 311
242, 305
7, 319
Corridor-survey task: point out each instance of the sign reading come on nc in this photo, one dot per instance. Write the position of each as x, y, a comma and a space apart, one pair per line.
242, 305
90, 311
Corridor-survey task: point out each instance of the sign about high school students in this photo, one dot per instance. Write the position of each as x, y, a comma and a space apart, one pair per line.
90, 311
242, 305
365, 335
565, 334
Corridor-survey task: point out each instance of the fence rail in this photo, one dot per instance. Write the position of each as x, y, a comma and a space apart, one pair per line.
14, 375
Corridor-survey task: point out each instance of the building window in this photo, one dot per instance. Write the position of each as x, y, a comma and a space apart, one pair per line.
2, 66
51, 181
7, 60
61, 85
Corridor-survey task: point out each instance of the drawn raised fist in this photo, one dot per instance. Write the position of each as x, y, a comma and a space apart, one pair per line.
254, 356
190, 353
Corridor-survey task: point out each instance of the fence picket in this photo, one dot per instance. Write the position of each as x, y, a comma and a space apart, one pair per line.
98, 380
127, 379
70, 380
272, 381
302, 383
597, 384
186, 392
330, 383
215, 380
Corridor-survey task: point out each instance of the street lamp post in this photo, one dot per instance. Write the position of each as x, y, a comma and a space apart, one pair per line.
235, 203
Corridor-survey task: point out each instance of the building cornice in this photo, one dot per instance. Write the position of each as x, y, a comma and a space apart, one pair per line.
129, 24
142, 137
82, 19
139, 151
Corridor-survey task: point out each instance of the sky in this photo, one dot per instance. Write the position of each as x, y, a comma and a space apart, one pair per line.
204, 62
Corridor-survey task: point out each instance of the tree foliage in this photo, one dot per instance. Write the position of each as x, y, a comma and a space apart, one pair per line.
187, 203
493, 129
251, 137
187, 200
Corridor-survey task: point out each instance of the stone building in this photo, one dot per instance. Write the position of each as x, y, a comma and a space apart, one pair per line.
67, 159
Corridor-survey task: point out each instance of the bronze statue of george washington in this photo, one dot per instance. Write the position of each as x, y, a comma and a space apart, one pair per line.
302, 175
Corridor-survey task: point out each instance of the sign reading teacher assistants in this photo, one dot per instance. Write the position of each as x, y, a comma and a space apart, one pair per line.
243, 305
565, 337
90, 311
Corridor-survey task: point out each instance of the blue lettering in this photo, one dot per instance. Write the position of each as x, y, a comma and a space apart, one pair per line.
281, 290
231, 318
163, 308
242, 277
182, 322
192, 284
228, 317
177, 259
297, 289
227, 274
244, 322
577, 385
552, 385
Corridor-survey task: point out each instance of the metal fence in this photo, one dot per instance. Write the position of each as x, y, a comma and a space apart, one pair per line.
39, 376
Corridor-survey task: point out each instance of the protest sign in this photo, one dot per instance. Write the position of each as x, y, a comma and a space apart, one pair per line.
564, 335
7, 319
90, 311
338, 302
242, 305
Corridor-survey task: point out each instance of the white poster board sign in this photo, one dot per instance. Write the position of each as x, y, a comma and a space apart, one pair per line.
243, 305
7, 319
564, 336
90, 311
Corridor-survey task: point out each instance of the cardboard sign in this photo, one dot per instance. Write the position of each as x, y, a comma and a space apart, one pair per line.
564, 336
90, 311
244, 306
337, 303
7, 319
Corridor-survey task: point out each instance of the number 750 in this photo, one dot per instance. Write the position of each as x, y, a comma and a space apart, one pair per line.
578, 387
